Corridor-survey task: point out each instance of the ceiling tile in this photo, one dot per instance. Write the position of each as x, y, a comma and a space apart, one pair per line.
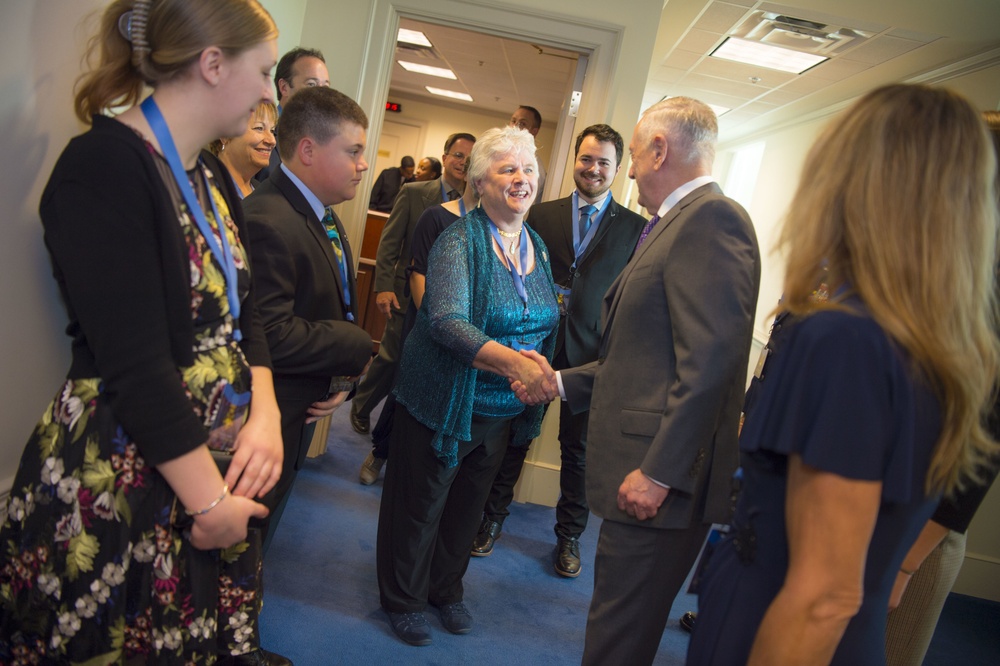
720, 17
700, 41
681, 59
881, 49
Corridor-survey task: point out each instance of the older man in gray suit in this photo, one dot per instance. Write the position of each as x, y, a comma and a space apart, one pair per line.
666, 390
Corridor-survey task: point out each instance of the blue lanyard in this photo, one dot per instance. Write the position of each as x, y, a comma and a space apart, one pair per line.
223, 255
515, 275
461, 207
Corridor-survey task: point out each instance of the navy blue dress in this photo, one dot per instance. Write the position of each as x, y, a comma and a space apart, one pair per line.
836, 391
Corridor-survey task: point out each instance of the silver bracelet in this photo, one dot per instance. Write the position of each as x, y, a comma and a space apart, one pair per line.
215, 502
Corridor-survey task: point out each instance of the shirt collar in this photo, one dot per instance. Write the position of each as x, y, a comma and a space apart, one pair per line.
681, 192
313, 200
599, 204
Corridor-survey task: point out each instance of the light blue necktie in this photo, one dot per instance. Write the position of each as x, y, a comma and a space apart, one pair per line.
583, 225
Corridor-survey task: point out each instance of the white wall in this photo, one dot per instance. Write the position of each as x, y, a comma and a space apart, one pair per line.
40, 48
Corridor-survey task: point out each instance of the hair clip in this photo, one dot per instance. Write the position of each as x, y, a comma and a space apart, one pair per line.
125, 25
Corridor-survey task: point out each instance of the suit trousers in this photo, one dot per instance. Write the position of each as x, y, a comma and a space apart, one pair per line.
572, 511
638, 572
430, 513
910, 626
295, 434
381, 376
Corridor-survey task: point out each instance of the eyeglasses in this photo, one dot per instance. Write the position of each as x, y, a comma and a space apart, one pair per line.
458, 156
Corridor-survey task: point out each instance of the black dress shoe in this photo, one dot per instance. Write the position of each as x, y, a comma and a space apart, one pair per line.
361, 424
687, 621
568, 557
489, 532
256, 657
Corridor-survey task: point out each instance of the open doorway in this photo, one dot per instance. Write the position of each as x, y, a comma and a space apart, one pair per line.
495, 73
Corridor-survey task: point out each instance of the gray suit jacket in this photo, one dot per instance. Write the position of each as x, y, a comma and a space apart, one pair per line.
666, 391
393, 254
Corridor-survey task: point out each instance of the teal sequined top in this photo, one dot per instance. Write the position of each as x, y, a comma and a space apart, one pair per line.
469, 300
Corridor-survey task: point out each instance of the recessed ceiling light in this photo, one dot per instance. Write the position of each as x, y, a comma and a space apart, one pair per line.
765, 55
413, 37
427, 69
449, 93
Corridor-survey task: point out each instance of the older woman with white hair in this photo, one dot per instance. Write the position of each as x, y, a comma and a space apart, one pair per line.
489, 293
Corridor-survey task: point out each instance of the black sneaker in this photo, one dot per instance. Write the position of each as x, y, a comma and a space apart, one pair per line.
411, 628
456, 617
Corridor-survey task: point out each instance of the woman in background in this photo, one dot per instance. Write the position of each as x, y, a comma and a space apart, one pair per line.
870, 404
428, 168
123, 541
488, 293
931, 567
245, 155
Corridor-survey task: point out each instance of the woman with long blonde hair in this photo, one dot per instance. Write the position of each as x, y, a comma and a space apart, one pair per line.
871, 399
125, 541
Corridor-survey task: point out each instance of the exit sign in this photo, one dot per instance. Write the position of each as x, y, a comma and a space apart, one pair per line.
393, 106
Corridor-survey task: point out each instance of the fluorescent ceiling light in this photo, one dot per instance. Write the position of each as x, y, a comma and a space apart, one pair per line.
413, 37
427, 69
449, 93
765, 55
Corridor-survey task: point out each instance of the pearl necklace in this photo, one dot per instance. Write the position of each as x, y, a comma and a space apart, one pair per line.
515, 235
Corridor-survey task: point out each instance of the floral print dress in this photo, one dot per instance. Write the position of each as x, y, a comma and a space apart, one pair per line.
96, 564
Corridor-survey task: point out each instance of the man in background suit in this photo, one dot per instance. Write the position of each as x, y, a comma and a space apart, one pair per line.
391, 260
666, 390
528, 118
388, 183
590, 239
299, 69
304, 271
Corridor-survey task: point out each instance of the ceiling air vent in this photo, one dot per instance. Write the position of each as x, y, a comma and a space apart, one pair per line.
798, 34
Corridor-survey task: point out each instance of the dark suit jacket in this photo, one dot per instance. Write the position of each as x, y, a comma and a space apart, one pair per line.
385, 189
299, 295
666, 390
602, 261
393, 254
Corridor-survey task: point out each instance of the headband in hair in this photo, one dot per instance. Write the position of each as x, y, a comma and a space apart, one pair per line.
132, 26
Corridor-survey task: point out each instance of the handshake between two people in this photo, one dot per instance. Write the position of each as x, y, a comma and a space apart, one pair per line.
536, 381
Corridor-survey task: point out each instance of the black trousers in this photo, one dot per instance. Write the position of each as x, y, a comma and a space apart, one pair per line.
572, 510
430, 513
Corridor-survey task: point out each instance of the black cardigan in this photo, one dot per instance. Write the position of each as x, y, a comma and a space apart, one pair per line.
121, 263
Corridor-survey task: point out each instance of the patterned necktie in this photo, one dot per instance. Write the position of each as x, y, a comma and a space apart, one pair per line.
454, 194
338, 251
646, 229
